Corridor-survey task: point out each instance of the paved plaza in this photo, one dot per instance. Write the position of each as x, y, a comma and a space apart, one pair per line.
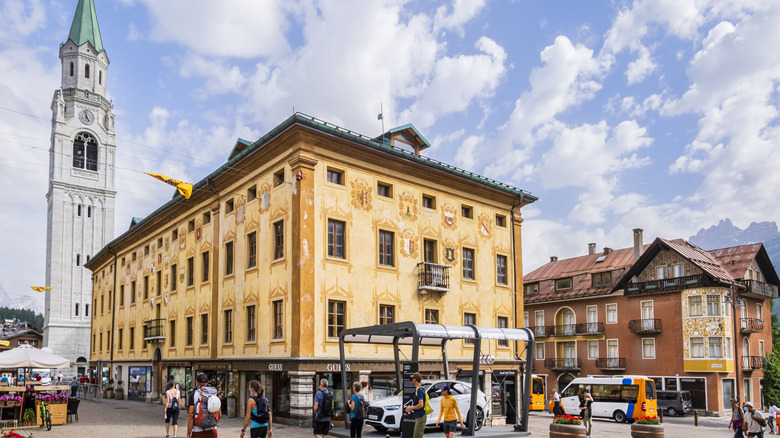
141, 420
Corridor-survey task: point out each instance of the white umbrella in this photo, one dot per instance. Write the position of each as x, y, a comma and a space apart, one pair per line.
27, 356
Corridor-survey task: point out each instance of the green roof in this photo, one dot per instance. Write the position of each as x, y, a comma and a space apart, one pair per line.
85, 26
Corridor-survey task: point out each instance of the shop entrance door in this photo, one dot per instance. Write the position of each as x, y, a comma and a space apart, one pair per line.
510, 398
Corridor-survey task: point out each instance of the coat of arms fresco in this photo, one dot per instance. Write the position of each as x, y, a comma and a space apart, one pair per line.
408, 244
361, 194
448, 217
264, 201
485, 225
408, 206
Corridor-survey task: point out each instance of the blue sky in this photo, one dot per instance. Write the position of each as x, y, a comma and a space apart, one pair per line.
655, 114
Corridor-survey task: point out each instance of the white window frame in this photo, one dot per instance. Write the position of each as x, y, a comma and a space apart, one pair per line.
716, 306
591, 343
713, 341
648, 342
540, 349
678, 270
692, 304
703, 347
525, 319
660, 273
615, 307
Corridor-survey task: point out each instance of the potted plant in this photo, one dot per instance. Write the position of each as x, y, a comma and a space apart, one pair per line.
28, 416
567, 426
119, 392
647, 427
109, 392
231, 404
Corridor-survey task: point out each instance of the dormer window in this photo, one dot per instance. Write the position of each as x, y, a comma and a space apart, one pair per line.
532, 289
86, 71
601, 279
563, 284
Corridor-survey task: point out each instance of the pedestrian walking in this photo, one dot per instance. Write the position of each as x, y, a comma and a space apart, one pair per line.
773, 410
737, 419
323, 409
754, 422
356, 420
557, 409
258, 413
172, 402
449, 407
586, 412
418, 406
201, 411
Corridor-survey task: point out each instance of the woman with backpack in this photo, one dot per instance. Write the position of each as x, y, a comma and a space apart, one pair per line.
356, 414
172, 399
258, 412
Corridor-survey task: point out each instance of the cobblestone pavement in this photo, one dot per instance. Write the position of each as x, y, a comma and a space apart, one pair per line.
126, 419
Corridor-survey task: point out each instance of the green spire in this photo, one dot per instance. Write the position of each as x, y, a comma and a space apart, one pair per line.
85, 26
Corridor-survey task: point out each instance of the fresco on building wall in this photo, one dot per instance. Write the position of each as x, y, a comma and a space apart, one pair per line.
361, 194
485, 225
264, 197
408, 206
448, 218
449, 251
409, 246
240, 209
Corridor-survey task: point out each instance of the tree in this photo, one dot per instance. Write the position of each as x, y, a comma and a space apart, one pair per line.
771, 381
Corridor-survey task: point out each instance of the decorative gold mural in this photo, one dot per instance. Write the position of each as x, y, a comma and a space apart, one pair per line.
361, 194
409, 244
408, 208
485, 226
448, 216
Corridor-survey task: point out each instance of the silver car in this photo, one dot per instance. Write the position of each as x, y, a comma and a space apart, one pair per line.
386, 413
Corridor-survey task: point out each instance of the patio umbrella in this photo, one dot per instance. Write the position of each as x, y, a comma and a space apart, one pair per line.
27, 356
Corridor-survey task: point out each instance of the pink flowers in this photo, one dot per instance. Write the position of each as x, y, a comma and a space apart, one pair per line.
9, 397
49, 398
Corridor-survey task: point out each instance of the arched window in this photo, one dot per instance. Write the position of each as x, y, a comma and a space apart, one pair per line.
89, 214
86, 71
85, 152
100, 77
71, 69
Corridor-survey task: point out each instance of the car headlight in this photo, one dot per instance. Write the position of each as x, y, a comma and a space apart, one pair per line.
393, 408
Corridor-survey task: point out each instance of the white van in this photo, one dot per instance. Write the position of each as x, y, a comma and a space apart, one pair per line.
44, 373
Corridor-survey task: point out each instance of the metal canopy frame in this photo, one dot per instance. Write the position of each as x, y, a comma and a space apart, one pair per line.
437, 335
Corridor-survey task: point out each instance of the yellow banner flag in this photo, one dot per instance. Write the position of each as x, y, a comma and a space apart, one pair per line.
40, 288
5, 343
184, 188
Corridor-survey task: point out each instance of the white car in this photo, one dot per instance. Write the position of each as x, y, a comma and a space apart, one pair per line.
386, 413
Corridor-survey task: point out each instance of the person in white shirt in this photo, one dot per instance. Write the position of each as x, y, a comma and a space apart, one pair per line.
773, 410
753, 421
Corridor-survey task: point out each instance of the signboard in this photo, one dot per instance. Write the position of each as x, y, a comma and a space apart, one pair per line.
407, 420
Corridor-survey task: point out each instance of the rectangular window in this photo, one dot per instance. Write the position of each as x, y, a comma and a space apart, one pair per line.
77, 308
386, 248
429, 202
727, 348
429, 251
660, 273
174, 236
204, 259
158, 283
132, 292
251, 193
121, 298
601, 279
501, 275
593, 349
135, 256
468, 263
228, 326
204, 329
229, 206
648, 348
469, 319
251, 324
467, 211
694, 305
540, 350
713, 305
102, 302
190, 271
502, 323
146, 288
206, 218
431, 316
278, 240
251, 250
278, 319
335, 176
386, 314
191, 226
174, 278
120, 339
716, 347
336, 312
525, 319
697, 347
172, 332
384, 190
563, 284
678, 270
146, 250
190, 331
279, 177
229, 258
500, 220
531, 289
612, 314
336, 241
132, 338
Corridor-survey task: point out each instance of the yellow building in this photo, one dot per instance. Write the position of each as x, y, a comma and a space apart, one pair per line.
308, 230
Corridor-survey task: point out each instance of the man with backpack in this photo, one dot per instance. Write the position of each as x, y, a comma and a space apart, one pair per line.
204, 407
418, 406
323, 409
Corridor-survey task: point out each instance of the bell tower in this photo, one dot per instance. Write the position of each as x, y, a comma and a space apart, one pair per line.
81, 192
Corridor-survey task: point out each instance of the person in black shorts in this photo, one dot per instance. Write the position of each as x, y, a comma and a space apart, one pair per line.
172, 400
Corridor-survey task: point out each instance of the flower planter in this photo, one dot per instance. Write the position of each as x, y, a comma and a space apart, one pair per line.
119, 395
647, 430
567, 430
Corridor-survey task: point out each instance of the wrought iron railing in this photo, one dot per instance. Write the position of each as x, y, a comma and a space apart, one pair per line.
645, 326
611, 363
540, 331
431, 276
563, 364
590, 328
154, 330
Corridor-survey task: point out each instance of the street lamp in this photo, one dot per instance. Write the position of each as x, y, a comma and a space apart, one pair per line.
736, 303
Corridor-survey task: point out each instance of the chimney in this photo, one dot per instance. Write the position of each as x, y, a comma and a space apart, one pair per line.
639, 244
591, 248
553, 259
607, 250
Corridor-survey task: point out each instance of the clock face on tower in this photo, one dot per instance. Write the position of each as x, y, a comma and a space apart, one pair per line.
86, 116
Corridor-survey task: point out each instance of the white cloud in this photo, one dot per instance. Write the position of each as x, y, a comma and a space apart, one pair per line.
641, 67
21, 18
466, 155
220, 77
462, 12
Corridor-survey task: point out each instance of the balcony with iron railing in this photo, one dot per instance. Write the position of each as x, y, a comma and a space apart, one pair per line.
433, 277
563, 364
758, 289
667, 285
154, 331
751, 325
750, 363
645, 326
540, 331
580, 329
611, 363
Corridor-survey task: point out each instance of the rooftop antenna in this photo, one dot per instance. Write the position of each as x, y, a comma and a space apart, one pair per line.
381, 116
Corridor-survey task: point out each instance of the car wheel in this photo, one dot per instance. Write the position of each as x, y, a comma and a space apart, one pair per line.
672, 411
619, 416
380, 428
479, 419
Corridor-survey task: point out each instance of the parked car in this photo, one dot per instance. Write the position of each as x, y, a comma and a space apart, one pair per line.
675, 402
386, 413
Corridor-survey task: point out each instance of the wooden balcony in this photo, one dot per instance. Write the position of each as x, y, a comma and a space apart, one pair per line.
433, 277
750, 363
645, 326
757, 289
154, 331
667, 285
563, 364
611, 363
751, 325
